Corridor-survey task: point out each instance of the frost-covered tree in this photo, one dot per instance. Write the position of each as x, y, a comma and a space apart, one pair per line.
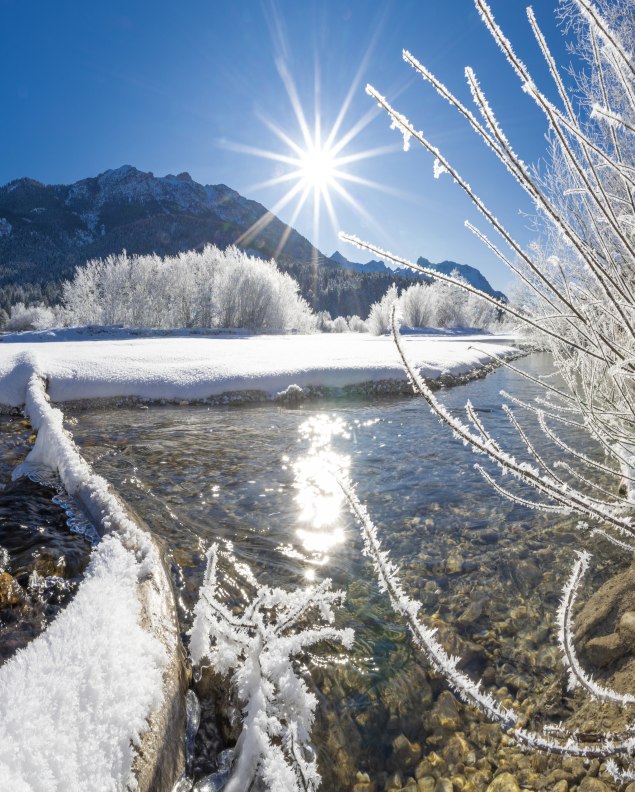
378, 321
212, 288
433, 305
581, 278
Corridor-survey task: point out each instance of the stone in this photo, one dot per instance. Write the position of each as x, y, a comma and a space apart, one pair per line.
406, 753
576, 766
444, 785
606, 649
433, 765
589, 784
472, 613
393, 783
454, 563
10, 591
426, 784
505, 782
560, 786
446, 712
626, 627
411, 786
527, 576
363, 783
48, 565
455, 750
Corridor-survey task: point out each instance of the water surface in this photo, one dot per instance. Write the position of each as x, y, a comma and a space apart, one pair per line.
489, 572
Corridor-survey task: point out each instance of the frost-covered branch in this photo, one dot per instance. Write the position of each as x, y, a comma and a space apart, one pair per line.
577, 675
257, 650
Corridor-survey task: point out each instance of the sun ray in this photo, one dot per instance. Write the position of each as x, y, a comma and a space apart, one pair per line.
294, 217
264, 221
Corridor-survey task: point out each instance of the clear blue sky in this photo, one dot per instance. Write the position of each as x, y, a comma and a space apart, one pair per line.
167, 87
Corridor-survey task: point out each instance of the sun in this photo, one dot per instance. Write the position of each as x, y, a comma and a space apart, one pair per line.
313, 165
318, 166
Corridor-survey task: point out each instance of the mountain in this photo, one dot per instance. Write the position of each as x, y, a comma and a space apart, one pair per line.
370, 266
471, 274
47, 230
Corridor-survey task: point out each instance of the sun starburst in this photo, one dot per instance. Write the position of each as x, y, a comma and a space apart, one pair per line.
315, 167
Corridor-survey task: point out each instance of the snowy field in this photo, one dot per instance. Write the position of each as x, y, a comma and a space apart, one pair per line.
114, 363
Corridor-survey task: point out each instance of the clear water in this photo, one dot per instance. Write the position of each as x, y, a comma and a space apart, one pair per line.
488, 572
42, 560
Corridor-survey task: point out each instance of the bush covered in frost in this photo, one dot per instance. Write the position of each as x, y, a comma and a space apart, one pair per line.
212, 288
581, 274
435, 305
30, 317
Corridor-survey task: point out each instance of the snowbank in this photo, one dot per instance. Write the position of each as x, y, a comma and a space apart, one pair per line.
95, 702
115, 363
75, 699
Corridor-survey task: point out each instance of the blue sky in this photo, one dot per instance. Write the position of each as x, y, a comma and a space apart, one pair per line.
188, 87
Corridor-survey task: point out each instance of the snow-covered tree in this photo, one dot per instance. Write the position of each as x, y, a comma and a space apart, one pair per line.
433, 305
378, 321
212, 288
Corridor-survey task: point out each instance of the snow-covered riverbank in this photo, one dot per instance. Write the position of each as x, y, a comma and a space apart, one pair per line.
115, 363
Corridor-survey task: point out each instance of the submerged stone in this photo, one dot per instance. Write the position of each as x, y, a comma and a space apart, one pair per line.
505, 782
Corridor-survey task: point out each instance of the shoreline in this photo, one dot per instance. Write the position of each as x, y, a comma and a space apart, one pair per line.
254, 369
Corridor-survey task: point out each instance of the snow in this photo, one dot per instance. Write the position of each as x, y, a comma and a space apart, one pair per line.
112, 363
73, 699
76, 700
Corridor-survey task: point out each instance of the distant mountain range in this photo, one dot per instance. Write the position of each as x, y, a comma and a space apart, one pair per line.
472, 275
47, 230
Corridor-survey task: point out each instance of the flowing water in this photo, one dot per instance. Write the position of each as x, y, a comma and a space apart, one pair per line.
43, 545
487, 571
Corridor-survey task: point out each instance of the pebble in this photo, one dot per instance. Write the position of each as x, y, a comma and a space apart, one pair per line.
505, 782
10, 591
446, 712
589, 784
626, 626
363, 783
406, 753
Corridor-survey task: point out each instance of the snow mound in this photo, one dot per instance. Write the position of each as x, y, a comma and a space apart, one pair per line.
75, 701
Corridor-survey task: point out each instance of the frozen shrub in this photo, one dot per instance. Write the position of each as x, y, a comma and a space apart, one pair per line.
257, 650
340, 325
31, 317
378, 321
581, 278
357, 325
212, 288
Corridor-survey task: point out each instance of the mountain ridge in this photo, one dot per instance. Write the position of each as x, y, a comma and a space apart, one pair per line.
48, 230
469, 273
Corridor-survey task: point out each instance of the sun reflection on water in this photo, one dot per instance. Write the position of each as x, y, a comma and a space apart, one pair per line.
318, 495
